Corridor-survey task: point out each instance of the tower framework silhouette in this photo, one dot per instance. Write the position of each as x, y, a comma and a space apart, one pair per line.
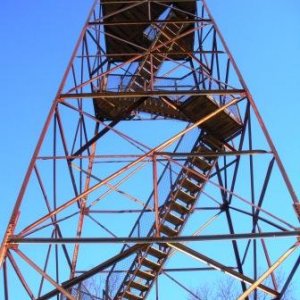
154, 172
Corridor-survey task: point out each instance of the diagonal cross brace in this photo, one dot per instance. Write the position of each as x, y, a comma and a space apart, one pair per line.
218, 266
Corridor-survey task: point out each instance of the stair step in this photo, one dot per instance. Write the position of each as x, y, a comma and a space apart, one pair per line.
155, 63
174, 28
161, 42
150, 264
156, 252
147, 70
155, 59
213, 142
176, 25
144, 275
190, 185
145, 75
131, 296
138, 286
168, 231
136, 82
200, 163
162, 39
194, 175
172, 31
173, 219
185, 197
202, 148
179, 208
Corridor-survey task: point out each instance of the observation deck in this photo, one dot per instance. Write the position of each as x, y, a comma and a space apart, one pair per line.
126, 24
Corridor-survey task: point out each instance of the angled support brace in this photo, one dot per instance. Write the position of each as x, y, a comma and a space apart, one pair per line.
280, 260
70, 283
218, 266
106, 129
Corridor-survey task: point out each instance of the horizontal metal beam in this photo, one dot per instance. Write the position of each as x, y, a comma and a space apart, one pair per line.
150, 240
171, 154
218, 266
138, 94
70, 283
170, 53
149, 22
167, 270
211, 154
110, 2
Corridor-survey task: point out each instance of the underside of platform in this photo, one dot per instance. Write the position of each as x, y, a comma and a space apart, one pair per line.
122, 42
223, 126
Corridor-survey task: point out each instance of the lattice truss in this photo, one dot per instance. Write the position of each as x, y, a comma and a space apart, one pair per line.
154, 173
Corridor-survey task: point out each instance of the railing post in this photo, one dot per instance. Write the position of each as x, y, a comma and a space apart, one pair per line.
155, 195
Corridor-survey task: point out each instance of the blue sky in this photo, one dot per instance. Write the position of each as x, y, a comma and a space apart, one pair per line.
37, 39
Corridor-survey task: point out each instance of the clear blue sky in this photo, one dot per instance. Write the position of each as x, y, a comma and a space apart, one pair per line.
37, 38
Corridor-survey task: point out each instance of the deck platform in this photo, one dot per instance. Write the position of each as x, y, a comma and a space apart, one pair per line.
124, 41
223, 126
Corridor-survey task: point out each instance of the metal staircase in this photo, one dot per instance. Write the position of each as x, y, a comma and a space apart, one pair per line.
173, 215
144, 77
162, 43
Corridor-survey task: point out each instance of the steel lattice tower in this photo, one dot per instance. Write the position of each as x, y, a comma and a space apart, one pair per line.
154, 171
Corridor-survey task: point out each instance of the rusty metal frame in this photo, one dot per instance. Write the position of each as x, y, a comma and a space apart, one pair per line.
72, 176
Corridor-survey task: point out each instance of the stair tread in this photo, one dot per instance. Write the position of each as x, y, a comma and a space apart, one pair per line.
136, 83
171, 30
194, 175
202, 148
148, 62
156, 252
189, 185
150, 264
168, 230
138, 286
179, 208
173, 219
213, 142
131, 296
200, 163
144, 274
185, 197
146, 69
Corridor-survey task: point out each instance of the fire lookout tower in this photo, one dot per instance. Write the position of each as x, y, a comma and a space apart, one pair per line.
154, 172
